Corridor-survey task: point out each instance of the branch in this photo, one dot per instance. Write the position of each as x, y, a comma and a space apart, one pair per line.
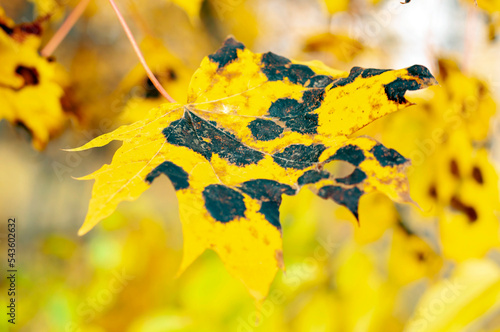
63, 30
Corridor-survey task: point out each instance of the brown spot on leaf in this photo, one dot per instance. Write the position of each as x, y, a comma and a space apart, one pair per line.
443, 71
469, 211
33, 28
433, 191
30, 75
150, 90
454, 170
278, 254
420, 256
477, 175
171, 75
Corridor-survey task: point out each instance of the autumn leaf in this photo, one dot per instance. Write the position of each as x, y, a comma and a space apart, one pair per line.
341, 47
191, 7
255, 127
137, 90
452, 178
31, 86
336, 6
490, 6
467, 300
333, 6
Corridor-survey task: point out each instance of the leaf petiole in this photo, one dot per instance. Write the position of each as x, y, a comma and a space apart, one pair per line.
137, 50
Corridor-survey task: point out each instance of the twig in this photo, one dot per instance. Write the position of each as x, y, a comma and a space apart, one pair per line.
63, 30
139, 54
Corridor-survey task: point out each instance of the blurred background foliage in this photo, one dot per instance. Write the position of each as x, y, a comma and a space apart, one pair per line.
435, 267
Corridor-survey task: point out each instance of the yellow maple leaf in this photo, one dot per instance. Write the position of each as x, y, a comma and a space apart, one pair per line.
191, 7
342, 47
458, 302
31, 86
255, 127
491, 6
452, 178
335, 6
139, 92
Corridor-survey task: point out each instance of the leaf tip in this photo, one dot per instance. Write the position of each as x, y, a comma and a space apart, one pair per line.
83, 230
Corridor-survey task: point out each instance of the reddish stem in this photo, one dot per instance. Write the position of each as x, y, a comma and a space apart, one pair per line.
139, 54
63, 30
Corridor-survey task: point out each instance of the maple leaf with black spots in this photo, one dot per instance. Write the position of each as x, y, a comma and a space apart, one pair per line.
256, 127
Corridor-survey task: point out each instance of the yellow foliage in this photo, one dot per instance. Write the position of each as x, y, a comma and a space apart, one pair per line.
411, 258
191, 7
31, 86
491, 6
335, 6
256, 126
342, 47
451, 177
455, 303
138, 91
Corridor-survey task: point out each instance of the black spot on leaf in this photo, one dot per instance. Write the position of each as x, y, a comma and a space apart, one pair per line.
265, 130
181, 133
150, 90
469, 211
299, 156
353, 74
346, 197
420, 256
271, 59
477, 175
277, 68
6, 29
312, 176
454, 169
171, 75
319, 81
286, 107
227, 53
297, 114
433, 191
420, 71
29, 74
305, 124
268, 192
357, 176
205, 138
370, 72
271, 211
350, 153
396, 90
178, 176
223, 203
33, 28
387, 157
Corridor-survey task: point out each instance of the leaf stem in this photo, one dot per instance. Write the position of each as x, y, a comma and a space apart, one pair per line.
139, 54
63, 30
